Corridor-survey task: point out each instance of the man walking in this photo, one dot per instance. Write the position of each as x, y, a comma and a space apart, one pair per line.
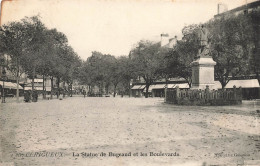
84, 93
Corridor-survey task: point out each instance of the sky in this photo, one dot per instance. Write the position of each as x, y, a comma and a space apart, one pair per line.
114, 26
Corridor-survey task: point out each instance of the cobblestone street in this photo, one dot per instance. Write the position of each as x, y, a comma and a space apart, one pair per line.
63, 129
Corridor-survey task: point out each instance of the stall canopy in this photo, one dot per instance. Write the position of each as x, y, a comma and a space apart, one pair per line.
37, 88
10, 85
30, 88
163, 86
181, 86
135, 87
159, 86
142, 87
138, 87
170, 85
251, 83
149, 89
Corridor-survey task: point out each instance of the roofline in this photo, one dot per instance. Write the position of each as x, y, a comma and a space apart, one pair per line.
166, 35
248, 6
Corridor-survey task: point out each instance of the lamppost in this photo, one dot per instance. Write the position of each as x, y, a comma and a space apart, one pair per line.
3, 90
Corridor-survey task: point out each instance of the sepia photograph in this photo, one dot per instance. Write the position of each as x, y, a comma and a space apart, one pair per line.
129, 83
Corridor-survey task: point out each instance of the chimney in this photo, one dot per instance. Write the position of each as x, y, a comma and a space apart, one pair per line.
164, 39
222, 8
172, 42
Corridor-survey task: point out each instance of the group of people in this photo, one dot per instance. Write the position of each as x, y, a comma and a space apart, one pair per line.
31, 96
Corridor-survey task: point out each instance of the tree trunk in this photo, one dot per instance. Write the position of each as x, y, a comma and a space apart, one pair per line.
17, 80
223, 84
189, 80
89, 89
189, 84
165, 89
100, 89
43, 87
71, 91
51, 87
129, 88
107, 87
146, 91
63, 89
114, 95
33, 75
17, 86
58, 86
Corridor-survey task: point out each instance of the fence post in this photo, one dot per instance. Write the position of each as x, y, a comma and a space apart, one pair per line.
207, 93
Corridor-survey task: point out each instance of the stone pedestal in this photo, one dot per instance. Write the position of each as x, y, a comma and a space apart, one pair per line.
203, 73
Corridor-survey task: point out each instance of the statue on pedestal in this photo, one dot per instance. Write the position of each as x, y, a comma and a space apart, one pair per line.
203, 65
204, 42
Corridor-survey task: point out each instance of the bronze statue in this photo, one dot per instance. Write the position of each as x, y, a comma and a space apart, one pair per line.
203, 41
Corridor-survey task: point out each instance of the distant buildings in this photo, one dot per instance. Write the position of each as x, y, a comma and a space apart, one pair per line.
168, 42
247, 8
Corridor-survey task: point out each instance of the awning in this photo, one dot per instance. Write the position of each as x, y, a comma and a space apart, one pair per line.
142, 87
159, 86
10, 85
37, 80
36, 84
136, 87
149, 89
252, 83
217, 85
30, 88
48, 89
181, 86
170, 85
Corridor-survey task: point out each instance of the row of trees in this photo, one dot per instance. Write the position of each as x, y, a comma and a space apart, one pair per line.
234, 45
106, 71
36, 50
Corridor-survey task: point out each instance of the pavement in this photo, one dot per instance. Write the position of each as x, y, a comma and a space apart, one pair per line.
127, 131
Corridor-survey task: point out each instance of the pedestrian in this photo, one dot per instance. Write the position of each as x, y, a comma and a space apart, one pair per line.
26, 96
84, 93
61, 96
35, 96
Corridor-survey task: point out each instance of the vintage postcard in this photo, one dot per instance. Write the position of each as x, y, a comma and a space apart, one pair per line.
129, 83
